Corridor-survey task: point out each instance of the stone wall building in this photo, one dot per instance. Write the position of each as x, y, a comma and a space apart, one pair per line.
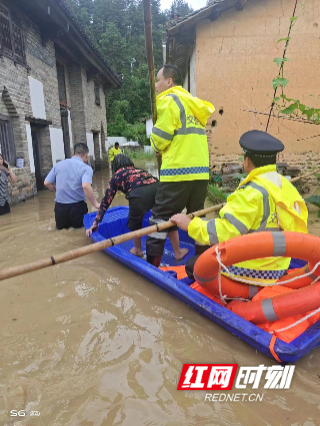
226, 52
53, 84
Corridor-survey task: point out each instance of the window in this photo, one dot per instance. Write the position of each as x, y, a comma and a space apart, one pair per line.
97, 93
7, 146
11, 38
61, 84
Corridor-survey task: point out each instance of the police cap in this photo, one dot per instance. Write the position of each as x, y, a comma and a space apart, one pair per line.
260, 144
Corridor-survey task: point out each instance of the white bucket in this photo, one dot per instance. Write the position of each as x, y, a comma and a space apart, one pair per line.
20, 163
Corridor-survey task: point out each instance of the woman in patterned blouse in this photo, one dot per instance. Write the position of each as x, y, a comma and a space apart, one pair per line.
140, 189
6, 174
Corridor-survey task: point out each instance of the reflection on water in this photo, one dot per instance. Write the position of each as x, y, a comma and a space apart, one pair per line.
92, 343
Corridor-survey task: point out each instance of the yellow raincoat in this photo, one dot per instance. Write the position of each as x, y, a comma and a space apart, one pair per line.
113, 152
180, 136
264, 201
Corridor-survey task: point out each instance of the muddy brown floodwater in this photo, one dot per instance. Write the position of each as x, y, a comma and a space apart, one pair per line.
92, 343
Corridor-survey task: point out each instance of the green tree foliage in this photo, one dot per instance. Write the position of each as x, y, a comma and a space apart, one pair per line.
285, 105
116, 28
178, 7
113, 45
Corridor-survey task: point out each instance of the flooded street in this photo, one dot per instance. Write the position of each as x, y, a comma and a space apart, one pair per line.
91, 343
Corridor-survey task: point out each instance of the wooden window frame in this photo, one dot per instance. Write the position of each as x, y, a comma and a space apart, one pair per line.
11, 54
10, 147
97, 98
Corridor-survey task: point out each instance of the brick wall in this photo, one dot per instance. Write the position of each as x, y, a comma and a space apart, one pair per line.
95, 114
306, 161
15, 102
235, 68
15, 79
42, 61
96, 120
77, 98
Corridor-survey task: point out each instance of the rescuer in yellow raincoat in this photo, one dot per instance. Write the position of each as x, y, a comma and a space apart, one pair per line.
179, 135
264, 201
113, 152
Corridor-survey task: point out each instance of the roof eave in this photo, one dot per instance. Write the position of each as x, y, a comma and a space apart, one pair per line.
211, 12
56, 22
86, 49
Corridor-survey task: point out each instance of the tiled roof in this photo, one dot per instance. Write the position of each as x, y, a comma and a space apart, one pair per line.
173, 23
181, 33
206, 12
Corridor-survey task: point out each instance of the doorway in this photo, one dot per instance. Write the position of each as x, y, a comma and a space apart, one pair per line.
65, 131
96, 145
37, 158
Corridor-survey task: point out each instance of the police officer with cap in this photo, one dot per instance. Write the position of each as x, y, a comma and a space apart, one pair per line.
260, 149
264, 201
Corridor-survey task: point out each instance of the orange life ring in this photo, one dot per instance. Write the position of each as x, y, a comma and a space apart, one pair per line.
256, 246
278, 307
278, 327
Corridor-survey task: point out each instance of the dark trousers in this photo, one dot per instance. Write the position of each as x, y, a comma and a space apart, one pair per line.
141, 200
70, 215
5, 208
190, 266
172, 198
192, 261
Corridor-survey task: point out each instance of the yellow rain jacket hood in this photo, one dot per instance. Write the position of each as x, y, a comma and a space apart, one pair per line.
264, 201
180, 136
199, 108
292, 210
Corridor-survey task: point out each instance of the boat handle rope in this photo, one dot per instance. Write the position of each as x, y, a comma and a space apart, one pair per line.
274, 337
221, 265
297, 322
236, 278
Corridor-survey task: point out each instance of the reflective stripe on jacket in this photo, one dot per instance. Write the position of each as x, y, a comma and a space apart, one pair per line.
265, 201
180, 136
113, 152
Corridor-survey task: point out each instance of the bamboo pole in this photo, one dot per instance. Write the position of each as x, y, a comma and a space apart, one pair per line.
102, 245
150, 61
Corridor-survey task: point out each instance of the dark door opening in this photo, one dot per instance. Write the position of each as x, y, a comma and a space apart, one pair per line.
65, 132
96, 145
37, 158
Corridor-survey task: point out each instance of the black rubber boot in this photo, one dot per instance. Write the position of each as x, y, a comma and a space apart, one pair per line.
154, 260
200, 249
190, 266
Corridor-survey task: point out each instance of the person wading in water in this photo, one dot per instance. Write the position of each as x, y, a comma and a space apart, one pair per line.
71, 179
6, 174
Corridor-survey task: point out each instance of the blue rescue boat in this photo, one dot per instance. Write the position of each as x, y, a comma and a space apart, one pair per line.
114, 224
